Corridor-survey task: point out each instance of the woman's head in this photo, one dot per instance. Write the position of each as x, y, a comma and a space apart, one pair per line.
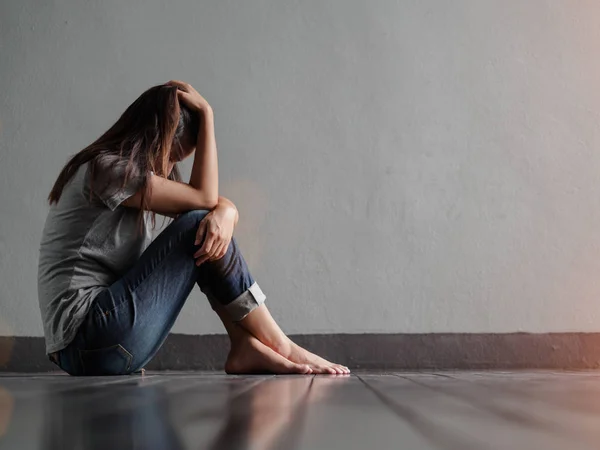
154, 130
165, 129
153, 134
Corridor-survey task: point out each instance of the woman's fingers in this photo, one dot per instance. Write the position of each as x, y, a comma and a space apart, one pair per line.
215, 236
216, 251
180, 84
204, 252
209, 256
201, 232
186, 98
202, 259
221, 250
202, 235
224, 249
209, 247
209, 242
190, 96
184, 88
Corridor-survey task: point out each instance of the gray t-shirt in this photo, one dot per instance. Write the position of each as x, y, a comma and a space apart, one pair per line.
86, 246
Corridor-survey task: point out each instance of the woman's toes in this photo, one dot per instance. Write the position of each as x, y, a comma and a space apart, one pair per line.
305, 369
302, 369
345, 370
341, 370
323, 370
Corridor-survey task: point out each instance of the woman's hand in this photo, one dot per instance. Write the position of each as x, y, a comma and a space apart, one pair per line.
216, 229
190, 96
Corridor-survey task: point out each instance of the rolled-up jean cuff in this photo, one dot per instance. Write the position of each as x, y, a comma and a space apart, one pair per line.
249, 300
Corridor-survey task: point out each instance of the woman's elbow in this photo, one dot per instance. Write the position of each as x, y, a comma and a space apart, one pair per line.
211, 202
212, 205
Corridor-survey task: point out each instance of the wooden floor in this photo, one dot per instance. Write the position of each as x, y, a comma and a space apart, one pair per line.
446, 410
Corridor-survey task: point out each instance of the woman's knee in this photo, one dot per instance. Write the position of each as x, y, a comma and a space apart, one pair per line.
195, 215
185, 222
192, 218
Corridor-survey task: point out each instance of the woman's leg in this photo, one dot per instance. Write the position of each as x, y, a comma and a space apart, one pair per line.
261, 324
130, 320
249, 355
251, 316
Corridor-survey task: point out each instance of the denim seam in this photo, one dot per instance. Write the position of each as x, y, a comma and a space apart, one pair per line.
129, 356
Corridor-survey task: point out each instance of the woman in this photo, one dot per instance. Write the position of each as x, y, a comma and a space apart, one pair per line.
108, 296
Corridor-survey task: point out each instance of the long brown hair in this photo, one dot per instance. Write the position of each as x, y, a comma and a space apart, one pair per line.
142, 138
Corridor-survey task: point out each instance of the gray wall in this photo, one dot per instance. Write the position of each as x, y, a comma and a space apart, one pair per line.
399, 166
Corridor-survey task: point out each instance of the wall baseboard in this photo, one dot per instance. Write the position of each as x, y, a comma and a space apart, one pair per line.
467, 351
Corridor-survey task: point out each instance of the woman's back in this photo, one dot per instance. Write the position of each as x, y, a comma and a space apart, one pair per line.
86, 245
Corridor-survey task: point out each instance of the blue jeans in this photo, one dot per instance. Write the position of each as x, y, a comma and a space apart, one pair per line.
129, 320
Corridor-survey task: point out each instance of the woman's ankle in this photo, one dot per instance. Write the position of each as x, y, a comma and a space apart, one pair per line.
282, 345
279, 343
260, 324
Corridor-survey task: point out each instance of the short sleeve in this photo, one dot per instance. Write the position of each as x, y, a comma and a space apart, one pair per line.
110, 182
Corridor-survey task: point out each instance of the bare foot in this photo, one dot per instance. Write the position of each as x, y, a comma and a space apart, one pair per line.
249, 355
261, 324
297, 354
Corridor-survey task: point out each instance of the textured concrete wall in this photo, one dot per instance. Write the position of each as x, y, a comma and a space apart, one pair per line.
399, 166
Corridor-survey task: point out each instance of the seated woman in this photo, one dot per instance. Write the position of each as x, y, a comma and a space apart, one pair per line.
108, 296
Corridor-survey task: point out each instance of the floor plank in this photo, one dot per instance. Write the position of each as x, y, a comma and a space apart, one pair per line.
453, 421
342, 413
564, 404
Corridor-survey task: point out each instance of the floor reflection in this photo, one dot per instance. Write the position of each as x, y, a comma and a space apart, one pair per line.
124, 415
7, 404
271, 414
161, 412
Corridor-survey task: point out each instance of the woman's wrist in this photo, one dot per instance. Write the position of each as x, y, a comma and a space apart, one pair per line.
206, 122
226, 204
228, 207
205, 111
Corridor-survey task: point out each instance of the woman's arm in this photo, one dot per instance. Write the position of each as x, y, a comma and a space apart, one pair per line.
223, 203
202, 192
205, 171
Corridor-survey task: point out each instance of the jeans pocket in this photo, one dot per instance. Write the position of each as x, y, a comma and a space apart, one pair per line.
113, 360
